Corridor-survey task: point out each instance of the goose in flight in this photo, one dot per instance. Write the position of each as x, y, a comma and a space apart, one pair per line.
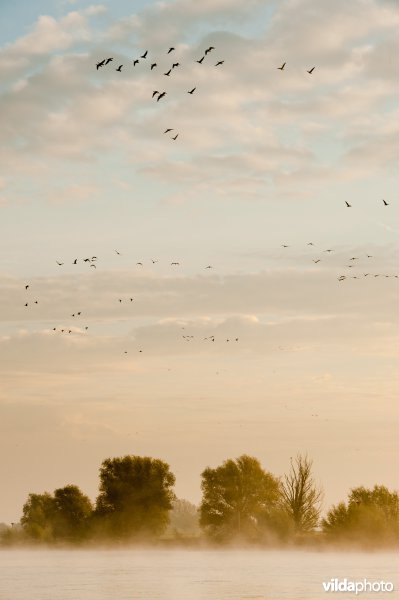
108, 61
220, 62
140, 264
118, 252
316, 261
175, 263
192, 91
136, 62
385, 203
348, 205
154, 93
75, 262
282, 67
153, 66
161, 95
168, 73
119, 69
175, 137
100, 64
169, 129
170, 50
200, 61
26, 287
175, 65
144, 55
209, 50
311, 70
58, 263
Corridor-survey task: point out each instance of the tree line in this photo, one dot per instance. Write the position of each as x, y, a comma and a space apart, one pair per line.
241, 502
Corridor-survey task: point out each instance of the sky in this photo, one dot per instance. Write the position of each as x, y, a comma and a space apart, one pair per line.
256, 186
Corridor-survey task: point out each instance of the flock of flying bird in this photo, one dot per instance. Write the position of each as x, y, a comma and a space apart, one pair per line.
153, 65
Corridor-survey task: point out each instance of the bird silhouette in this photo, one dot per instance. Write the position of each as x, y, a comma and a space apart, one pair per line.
310, 244
170, 50
26, 304
284, 246
328, 250
136, 62
168, 73
175, 263
317, 261
311, 70
175, 137
119, 69
200, 61
153, 66
86, 260
26, 287
153, 261
108, 60
58, 263
220, 62
167, 130
209, 50
118, 252
139, 263
348, 205
282, 67
154, 93
208, 267
161, 95
385, 203
93, 266
175, 65
100, 64
192, 91
145, 54
75, 262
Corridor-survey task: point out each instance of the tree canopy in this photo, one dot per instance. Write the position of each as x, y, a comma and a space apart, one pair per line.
135, 496
370, 517
237, 497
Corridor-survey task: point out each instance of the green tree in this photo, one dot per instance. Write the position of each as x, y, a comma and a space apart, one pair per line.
301, 496
238, 499
370, 517
38, 517
72, 513
135, 496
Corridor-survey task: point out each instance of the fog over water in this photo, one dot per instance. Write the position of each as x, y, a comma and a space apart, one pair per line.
187, 574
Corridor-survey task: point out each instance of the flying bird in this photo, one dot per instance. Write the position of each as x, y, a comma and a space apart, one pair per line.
200, 60
168, 73
348, 205
208, 267
328, 250
282, 67
153, 66
154, 93
100, 64
311, 70
175, 137
153, 261
93, 266
118, 252
317, 261
208, 50
58, 263
161, 95
167, 131
136, 62
145, 54
119, 69
26, 287
220, 62
310, 244
75, 262
108, 60
139, 263
191, 91
175, 263
284, 246
385, 203
175, 65
170, 50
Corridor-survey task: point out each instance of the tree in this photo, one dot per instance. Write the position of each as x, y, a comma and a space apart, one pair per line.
184, 519
370, 517
135, 496
38, 517
237, 497
72, 513
301, 496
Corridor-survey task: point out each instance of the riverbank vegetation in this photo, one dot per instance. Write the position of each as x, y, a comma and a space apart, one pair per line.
242, 503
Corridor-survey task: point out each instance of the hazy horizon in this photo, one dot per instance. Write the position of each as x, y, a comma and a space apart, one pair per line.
265, 158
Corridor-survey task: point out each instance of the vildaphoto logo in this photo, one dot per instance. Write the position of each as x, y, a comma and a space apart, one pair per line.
358, 587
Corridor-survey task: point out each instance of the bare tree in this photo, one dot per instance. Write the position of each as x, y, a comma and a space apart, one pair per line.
302, 498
